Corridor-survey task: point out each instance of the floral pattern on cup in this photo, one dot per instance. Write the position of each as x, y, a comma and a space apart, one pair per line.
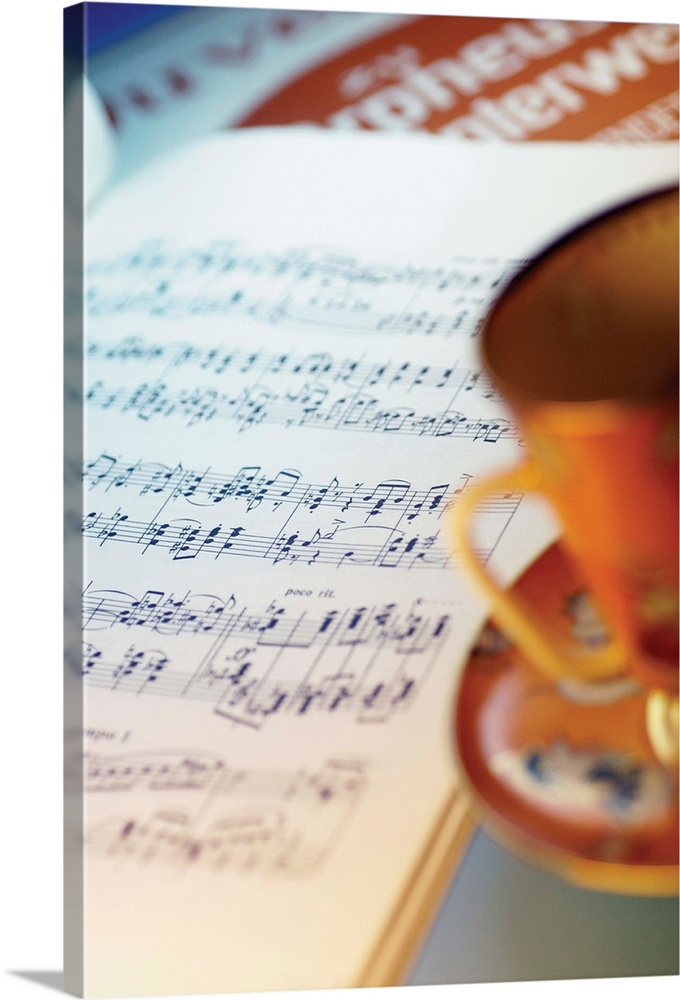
597, 786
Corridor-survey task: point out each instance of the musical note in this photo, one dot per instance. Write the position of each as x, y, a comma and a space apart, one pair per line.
310, 407
305, 287
388, 524
244, 819
252, 487
151, 772
379, 546
256, 663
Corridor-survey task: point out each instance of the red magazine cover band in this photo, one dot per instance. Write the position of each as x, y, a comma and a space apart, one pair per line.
493, 78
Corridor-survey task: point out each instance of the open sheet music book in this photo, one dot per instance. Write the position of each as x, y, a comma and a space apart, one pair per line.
282, 404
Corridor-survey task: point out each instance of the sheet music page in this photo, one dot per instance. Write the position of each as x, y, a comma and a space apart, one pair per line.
282, 404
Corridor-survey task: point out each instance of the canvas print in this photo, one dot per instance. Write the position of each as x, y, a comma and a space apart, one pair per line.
302, 748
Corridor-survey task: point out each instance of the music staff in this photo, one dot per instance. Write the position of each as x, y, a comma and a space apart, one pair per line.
151, 772
189, 538
311, 406
356, 373
154, 258
253, 819
251, 488
304, 287
154, 771
166, 613
279, 518
254, 664
245, 695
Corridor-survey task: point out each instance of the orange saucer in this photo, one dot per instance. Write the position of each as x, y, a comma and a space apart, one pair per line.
564, 773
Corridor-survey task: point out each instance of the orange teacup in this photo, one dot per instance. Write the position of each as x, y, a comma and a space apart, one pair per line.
583, 346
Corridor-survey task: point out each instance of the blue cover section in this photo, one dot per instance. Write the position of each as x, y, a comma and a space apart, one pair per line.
107, 24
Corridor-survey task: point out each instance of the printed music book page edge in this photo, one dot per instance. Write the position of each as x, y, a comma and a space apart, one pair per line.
412, 916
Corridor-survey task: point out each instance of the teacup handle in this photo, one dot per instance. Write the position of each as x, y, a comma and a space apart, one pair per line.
516, 617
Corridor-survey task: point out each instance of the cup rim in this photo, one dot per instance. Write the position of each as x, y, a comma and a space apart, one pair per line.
607, 404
